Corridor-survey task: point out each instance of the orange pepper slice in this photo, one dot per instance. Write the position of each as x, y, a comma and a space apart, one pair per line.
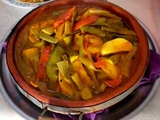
64, 17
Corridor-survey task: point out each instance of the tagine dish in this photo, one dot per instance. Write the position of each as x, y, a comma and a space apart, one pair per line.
77, 54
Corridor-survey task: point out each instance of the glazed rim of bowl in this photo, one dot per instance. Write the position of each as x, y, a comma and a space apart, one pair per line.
143, 51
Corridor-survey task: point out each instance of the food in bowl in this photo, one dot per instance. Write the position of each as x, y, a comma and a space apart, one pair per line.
77, 53
41, 24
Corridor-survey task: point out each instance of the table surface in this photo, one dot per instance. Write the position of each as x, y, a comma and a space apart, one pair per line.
145, 10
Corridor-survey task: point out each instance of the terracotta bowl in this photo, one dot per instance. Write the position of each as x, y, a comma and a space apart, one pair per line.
99, 102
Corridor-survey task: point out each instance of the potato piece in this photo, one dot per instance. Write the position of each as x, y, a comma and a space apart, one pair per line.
31, 57
115, 46
29, 54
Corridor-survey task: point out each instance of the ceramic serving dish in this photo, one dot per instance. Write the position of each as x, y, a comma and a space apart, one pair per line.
101, 101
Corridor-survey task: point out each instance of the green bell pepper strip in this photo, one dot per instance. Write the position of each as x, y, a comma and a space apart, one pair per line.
93, 30
68, 86
108, 22
83, 56
103, 13
100, 21
52, 69
63, 67
94, 79
48, 30
119, 30
47, 37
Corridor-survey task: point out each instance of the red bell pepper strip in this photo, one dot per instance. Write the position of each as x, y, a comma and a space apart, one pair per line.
99, 63
112, 83
43, 62
85, 21
64, 17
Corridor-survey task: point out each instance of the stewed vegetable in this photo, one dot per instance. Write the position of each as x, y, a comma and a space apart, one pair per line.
78, 53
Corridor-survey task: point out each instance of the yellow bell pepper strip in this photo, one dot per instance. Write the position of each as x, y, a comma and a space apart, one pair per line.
63, 67
64, 17
93, 30
83, 56
59, 32
48, 30
67, 40
67, 29
102, 87
86, 21
47, 37
77, 80
41, 73
86, 93
75, 45
110, 69
78, 67
73, 55
63, 31
65, 87
52, 69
